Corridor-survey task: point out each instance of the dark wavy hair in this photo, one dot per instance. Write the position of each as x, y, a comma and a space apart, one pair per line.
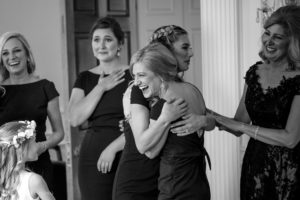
111, 23
289, 18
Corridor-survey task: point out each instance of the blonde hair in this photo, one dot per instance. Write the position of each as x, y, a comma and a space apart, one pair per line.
11, 158
158, 59
4, 74
289, 18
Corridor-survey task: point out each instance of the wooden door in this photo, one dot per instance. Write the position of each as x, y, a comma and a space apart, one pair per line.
80, 15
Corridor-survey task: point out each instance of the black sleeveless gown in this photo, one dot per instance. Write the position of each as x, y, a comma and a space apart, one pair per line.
182, 173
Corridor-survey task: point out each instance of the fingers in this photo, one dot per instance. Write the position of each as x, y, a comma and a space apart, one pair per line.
104, 167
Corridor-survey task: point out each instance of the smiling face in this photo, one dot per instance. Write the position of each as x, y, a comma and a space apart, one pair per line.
14, 57
275, 43
183, 52
105, 45
146, 80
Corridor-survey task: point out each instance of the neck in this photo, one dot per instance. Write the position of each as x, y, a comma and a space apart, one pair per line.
282, 65
19, 79
109, 67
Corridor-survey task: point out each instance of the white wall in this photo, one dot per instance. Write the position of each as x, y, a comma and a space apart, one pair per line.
230, 44
42, 23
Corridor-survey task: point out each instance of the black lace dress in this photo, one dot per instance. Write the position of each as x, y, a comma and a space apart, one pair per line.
268, 171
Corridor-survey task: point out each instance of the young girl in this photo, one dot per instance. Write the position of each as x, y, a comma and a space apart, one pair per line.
17, 146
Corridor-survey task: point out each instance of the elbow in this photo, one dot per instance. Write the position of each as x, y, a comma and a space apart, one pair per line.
61, 136
74, 121
150, 155
140, 148
292, 144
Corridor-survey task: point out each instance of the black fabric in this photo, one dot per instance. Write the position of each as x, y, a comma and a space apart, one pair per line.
109, 110
137, 175
103, 129
182, 167
29, 102
137, 97
268, 171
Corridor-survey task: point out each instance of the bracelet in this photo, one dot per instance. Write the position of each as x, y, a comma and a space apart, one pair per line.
256, 131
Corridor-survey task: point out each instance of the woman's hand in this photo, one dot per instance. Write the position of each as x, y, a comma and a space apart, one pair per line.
113, 79
106, 160
174, 109
190, 124
121, 125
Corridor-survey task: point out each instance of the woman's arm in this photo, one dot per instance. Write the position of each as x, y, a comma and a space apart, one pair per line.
39, 188
241, 116
108, 155
81, 107
288, 137
146, 137
192, 123
56, 125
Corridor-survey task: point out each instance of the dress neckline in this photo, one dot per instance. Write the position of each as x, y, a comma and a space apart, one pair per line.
270, 89
30, 83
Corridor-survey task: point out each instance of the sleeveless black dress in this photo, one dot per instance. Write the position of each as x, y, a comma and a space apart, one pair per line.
29, 102
268, 171
137, 175
103, 128
182, 173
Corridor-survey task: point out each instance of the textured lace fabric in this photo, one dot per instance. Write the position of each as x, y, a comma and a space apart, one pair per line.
268, 171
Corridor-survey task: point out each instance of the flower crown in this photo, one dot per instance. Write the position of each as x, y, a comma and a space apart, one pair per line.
162, 32
22, 134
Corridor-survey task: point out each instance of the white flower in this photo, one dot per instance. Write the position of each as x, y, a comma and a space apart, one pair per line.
15, 141
22, 134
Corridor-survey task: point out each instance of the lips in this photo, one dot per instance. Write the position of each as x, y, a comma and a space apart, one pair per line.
13, 63
270, 49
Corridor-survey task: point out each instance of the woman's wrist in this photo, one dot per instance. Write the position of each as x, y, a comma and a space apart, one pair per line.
44, 146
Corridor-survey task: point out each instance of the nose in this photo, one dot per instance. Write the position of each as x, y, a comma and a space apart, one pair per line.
191, 53
102, 44
137, 82
270, 40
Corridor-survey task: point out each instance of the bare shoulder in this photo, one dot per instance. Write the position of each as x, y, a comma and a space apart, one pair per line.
38, 187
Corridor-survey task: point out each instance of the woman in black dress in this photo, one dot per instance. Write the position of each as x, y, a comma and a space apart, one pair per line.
269, 113
97, 98
27, 97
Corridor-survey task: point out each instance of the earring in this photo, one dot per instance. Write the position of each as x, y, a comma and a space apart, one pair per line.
118, 51
163, 88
